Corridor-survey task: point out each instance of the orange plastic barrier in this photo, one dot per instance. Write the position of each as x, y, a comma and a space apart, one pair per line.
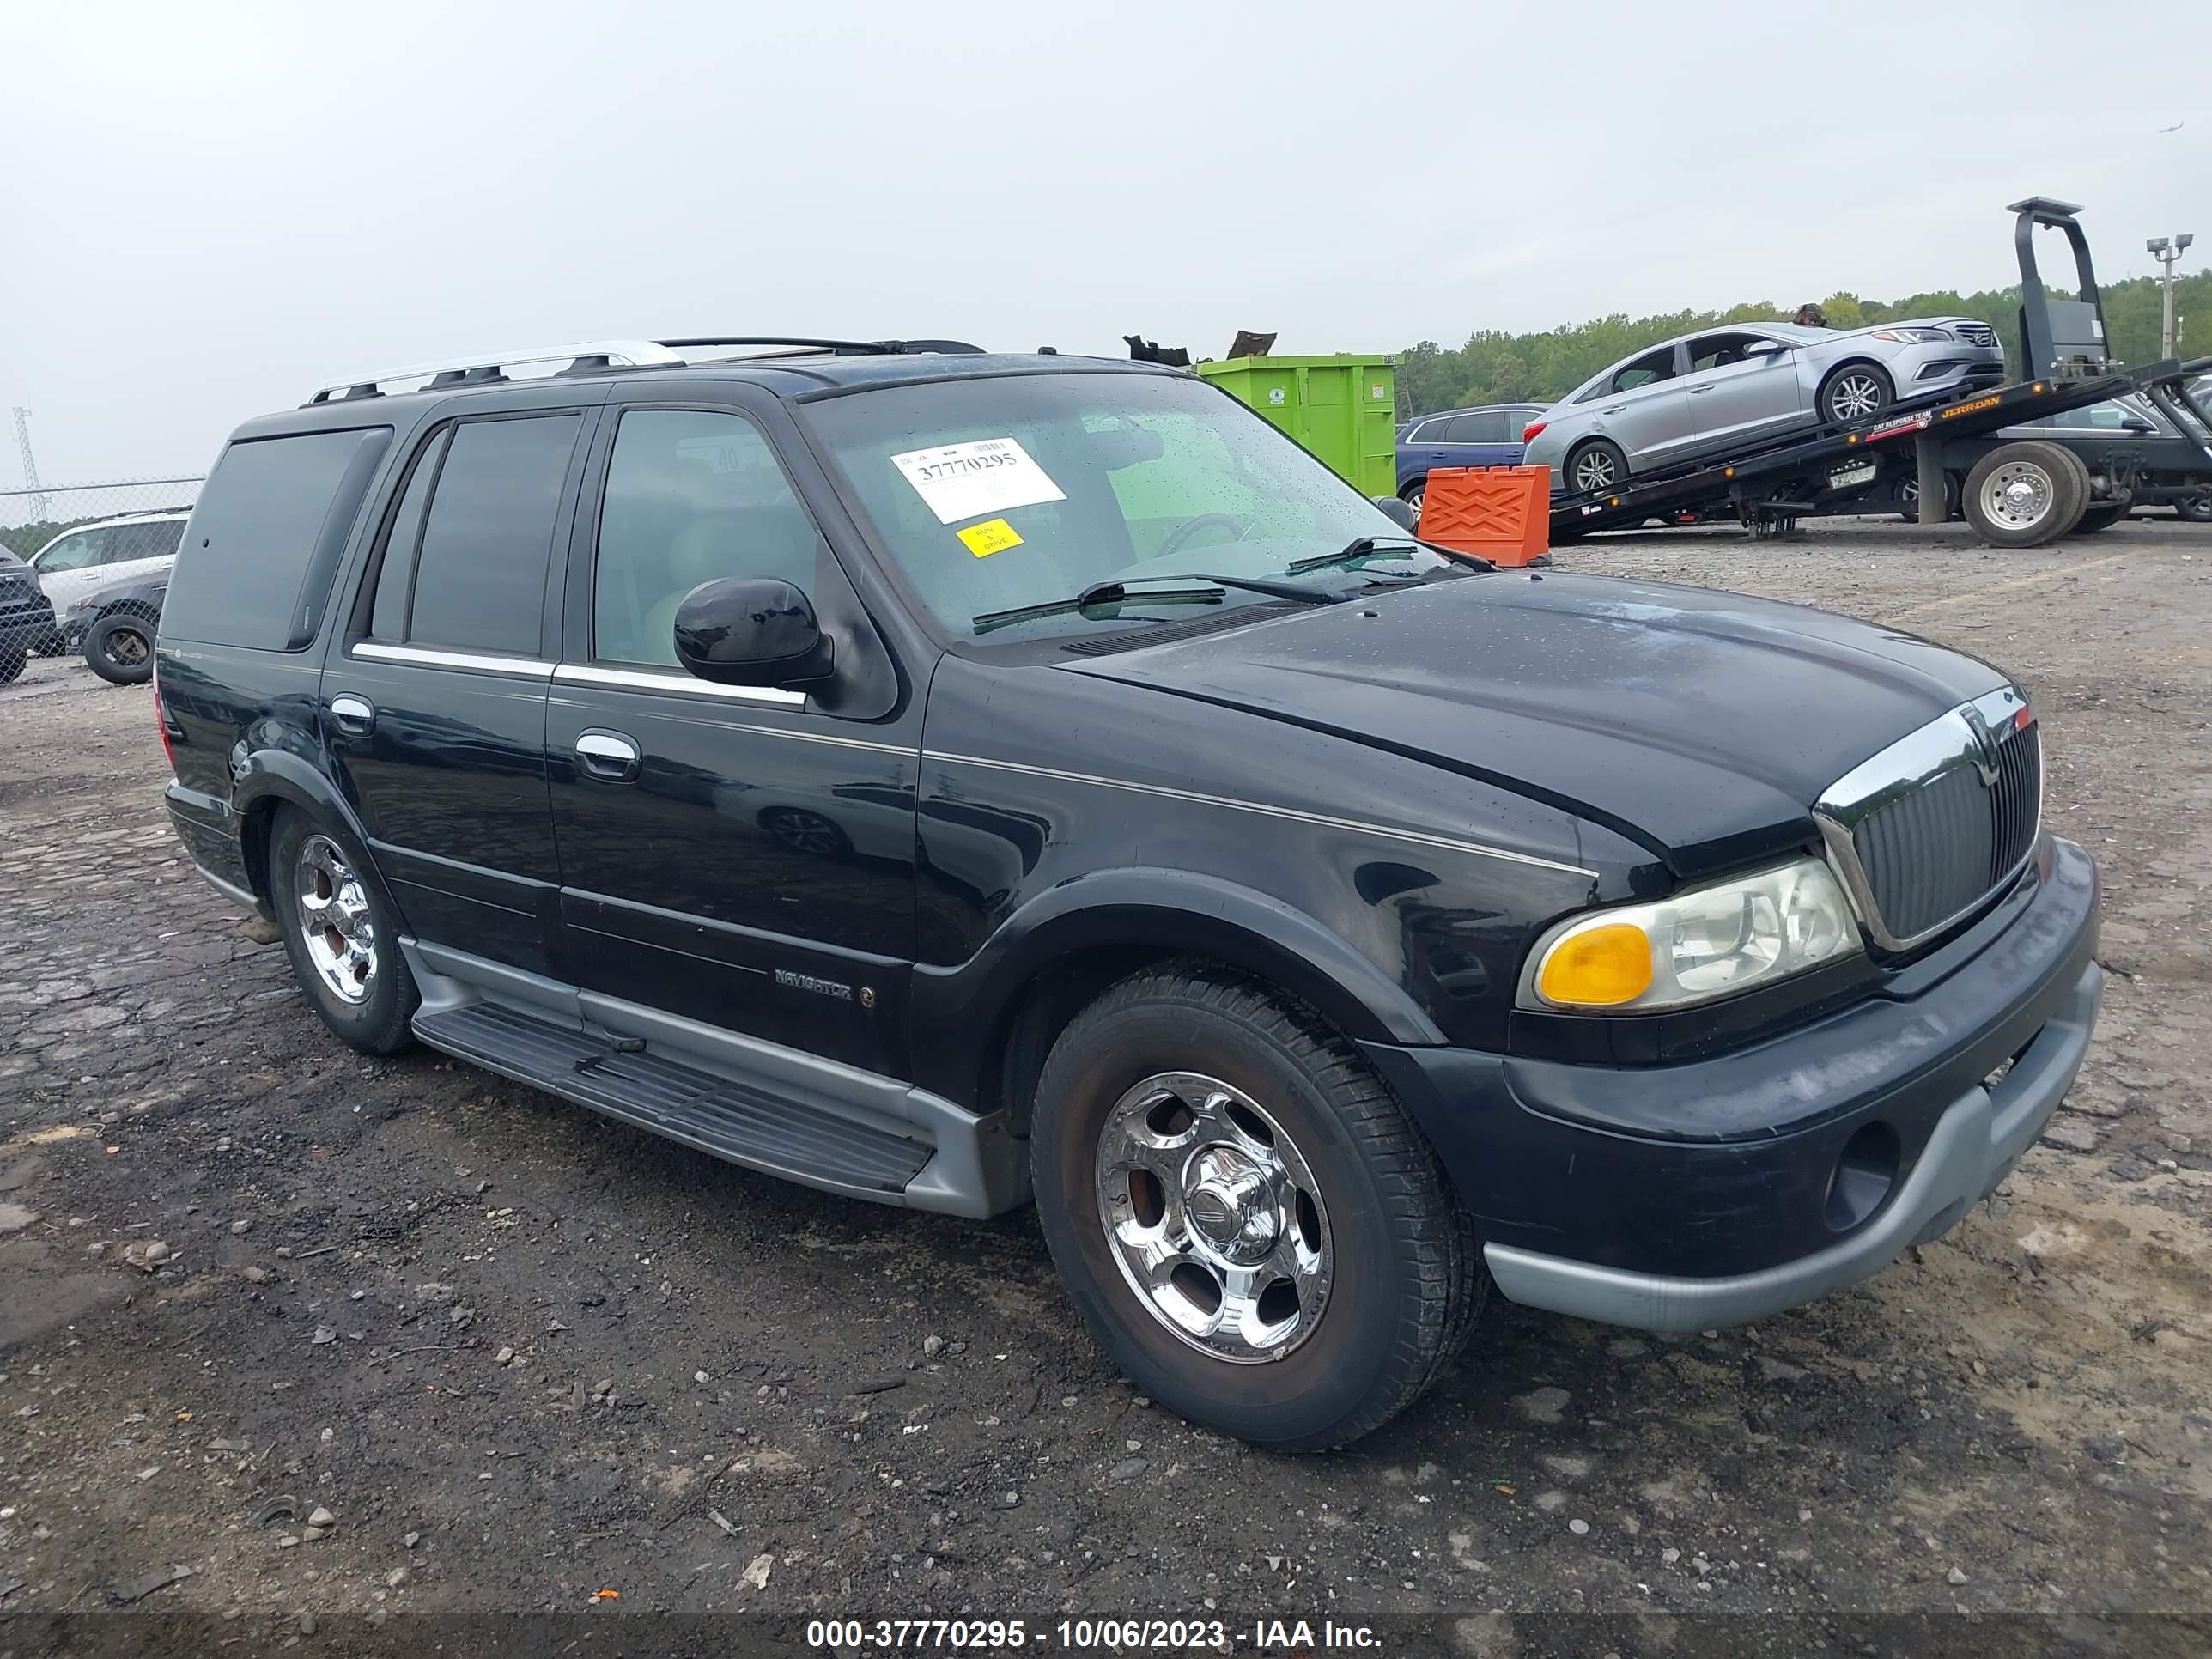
1503, 513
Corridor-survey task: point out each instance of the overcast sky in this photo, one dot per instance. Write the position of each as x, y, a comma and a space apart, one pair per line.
206, 207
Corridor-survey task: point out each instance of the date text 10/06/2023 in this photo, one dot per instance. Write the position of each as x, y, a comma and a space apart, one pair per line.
1286, 1636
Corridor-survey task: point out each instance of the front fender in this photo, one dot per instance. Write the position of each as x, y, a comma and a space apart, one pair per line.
1175, 912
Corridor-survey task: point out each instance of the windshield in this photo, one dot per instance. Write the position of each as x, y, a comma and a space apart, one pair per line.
1002, 492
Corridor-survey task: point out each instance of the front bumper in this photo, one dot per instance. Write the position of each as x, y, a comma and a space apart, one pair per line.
1682, 1197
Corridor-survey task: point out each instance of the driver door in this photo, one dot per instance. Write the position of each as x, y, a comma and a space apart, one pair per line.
1743, 387
732, 855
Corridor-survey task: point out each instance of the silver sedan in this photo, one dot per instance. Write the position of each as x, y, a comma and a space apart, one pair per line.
1738, 388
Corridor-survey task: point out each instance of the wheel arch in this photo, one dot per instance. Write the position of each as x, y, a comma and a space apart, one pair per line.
983, 1028
268, 779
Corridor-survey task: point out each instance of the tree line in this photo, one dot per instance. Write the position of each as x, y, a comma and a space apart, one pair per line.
1496, 366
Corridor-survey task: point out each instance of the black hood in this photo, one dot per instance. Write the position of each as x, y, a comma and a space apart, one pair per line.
1702, 723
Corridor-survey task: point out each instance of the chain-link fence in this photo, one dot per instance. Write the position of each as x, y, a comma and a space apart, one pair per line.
80, 534
29, 519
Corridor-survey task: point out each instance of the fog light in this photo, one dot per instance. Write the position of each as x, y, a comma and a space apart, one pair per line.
1863, 1176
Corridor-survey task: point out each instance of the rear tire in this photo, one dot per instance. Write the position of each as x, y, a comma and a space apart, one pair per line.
1855, 393
14, 655
1415, 493
1594, 466
2197, 509
342, 938
1274, 1134
2024, 495
2101, 516
119, 648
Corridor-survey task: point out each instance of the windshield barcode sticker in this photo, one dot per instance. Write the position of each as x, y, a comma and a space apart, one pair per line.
965, 481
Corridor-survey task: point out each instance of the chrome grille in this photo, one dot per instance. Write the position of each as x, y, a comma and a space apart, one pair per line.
1980, 334
1927, 855
1933, 826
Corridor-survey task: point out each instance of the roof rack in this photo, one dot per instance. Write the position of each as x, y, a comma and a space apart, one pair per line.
598, 356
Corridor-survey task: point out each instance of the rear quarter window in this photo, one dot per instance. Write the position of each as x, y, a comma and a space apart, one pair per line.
265, 541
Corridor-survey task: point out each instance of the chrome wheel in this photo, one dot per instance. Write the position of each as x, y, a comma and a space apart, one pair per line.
1855, 395
1213, 1216
1413, 499
335, 920
2017, 495
1593, 469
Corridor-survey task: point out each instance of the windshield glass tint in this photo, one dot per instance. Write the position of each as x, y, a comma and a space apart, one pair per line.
1012, 490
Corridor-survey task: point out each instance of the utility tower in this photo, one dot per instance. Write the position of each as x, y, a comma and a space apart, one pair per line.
37, 502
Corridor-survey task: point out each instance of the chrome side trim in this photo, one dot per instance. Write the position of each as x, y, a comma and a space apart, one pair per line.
513, 667
230, 890
1966, 736
676, 683
1418, 838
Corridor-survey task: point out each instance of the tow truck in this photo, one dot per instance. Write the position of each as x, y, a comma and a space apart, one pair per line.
2017, 492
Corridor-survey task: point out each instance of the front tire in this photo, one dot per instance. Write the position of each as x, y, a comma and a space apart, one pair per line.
1596, 465
342, 938
120, 649
1415, 494
1244, 1213
1855, 391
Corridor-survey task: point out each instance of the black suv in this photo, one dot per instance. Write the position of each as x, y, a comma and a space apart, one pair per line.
952, 780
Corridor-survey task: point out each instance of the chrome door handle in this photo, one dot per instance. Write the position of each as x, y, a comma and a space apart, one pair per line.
352, 716
608, 756
1615, 410
1699, 390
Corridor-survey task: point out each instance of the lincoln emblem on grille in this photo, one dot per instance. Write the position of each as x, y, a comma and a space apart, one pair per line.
1987, 740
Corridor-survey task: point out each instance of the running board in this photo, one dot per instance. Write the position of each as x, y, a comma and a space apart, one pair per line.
624, 1079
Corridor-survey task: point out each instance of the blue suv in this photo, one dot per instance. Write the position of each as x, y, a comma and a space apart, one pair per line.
1488, 436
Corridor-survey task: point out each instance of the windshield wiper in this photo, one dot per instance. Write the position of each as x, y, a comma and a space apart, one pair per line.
1116, 592
1367, 546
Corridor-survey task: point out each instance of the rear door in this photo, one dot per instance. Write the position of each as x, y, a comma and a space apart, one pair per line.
135, 551
1645, 410
434, 710
736, 856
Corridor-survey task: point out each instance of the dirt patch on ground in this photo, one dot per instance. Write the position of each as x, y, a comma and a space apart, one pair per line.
521, 1355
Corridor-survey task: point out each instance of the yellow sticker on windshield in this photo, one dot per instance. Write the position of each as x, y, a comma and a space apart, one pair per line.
992, 536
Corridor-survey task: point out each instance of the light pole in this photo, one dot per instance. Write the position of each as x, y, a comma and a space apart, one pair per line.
2166, 251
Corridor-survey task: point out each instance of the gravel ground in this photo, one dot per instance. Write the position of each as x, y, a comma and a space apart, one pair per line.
523, 1357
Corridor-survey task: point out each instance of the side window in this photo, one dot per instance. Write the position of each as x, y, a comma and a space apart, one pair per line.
395, 572
1423, 432
1717, 350
691, 496
1652, 366
264, 544
129, 542
480, 572
74, 552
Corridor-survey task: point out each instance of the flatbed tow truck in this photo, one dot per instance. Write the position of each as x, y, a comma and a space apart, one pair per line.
2017, 492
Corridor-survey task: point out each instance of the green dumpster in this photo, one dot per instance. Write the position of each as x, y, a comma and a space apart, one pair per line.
1343, 409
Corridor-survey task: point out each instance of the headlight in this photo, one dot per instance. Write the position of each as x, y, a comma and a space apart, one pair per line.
1912, 335
1706, 943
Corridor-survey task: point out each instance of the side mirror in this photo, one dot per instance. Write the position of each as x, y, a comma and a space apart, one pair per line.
1399, 513
739, 630
1766, 349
